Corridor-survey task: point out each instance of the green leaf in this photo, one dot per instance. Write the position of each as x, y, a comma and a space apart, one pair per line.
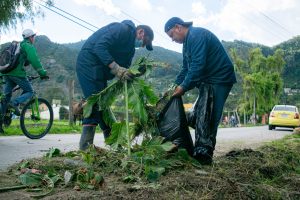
148, 92
136, 102
153, 173
31, 179
53, 152
109, 117
167, 146
87, 108
129, 179
24, 164
118, 134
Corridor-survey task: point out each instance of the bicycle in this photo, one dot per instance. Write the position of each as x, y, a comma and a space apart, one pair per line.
36, 116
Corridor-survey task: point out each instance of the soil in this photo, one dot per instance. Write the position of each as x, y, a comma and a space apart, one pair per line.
265, 173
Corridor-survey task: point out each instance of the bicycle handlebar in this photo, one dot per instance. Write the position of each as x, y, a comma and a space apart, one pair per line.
30, 78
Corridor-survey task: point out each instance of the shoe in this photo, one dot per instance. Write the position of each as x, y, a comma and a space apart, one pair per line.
16, 110
203, 155
203, 159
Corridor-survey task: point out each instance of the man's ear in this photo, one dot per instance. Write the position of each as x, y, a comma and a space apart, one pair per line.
140, 33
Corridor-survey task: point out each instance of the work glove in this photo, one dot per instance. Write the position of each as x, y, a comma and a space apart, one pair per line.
42, 72
121, 73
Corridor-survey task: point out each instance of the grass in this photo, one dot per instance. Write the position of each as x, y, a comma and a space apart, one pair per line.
58, 127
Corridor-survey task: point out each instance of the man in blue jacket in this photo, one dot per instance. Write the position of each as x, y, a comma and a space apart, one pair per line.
206, 66
107, 53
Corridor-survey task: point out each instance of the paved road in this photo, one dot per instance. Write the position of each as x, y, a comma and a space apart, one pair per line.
15, 148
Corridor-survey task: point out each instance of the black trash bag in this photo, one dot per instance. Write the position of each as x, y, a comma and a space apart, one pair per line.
199, 118
172, 125
191, 115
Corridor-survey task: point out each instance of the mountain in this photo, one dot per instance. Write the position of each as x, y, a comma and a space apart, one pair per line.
60, 61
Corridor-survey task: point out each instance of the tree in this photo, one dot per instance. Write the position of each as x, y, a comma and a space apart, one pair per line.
14, 11
261, 76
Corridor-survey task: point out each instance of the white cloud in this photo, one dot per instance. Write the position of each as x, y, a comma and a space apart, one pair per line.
198, 8
161, 9
106, 5
9, 38
250, 20
268, 6
143, 5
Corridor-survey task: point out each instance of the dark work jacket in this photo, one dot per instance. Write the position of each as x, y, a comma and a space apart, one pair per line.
114, 42
204, 60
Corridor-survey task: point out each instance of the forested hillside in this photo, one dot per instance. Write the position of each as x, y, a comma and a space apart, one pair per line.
60, 60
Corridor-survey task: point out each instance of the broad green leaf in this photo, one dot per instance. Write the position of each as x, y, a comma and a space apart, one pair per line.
109, 116
167, 146
117, 134
87, 108
153, 173
31, 179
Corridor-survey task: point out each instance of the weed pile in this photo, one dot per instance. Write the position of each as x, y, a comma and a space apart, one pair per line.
271, 172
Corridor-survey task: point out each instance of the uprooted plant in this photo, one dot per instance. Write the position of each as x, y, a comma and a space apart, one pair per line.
140, 103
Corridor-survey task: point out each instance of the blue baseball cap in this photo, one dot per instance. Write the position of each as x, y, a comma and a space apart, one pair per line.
176, 20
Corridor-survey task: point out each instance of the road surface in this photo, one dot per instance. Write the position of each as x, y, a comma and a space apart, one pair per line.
13, 149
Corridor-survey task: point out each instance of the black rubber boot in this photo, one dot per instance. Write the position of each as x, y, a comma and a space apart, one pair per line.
87, 137
203, 155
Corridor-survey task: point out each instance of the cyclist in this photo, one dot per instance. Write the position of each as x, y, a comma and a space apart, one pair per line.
17, 77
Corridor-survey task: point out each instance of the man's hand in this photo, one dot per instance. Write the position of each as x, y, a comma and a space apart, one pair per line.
121, 72
178, 91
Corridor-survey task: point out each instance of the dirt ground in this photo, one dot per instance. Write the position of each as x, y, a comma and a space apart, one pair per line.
265, 173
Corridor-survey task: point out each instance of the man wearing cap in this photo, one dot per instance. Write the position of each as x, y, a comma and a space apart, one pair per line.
17, 76
107, 54
206, 66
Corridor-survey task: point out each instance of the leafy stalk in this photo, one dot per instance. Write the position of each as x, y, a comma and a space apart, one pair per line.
127, 120
139, 99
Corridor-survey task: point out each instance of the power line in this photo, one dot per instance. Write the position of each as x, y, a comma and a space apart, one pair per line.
263, 27
76, 16
71, 15
48, 7
271, 20
64, 16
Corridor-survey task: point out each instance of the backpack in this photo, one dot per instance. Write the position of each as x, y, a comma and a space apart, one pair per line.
9, 57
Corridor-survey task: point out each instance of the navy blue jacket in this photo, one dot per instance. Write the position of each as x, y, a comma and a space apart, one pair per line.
114, 42
204, 60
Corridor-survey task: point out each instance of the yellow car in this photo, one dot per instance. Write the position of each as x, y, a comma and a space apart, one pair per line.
284, 116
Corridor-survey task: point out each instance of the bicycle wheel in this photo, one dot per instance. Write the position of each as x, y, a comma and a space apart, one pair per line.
36, 118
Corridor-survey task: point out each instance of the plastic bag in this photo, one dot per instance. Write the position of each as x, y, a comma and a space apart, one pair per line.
199, 118
172, 125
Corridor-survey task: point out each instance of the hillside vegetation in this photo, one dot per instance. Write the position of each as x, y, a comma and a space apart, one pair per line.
60, 61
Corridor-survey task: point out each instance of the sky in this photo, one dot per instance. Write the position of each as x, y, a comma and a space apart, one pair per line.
267, 22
